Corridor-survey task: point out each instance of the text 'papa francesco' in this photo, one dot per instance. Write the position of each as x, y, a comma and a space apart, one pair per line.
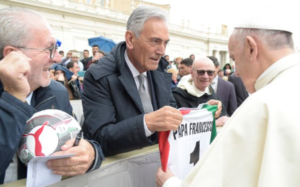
192, 128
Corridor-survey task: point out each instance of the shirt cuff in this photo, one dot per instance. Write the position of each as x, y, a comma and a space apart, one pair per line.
172, 182
147, 131
94, 164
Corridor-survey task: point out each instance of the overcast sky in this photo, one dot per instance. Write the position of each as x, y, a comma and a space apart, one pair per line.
214, 13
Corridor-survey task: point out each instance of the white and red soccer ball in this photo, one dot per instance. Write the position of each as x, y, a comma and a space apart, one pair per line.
46, 131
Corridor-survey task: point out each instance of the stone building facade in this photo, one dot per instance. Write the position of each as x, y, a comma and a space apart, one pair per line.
74, 21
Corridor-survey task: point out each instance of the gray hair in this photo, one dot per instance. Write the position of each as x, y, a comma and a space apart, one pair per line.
15, 29
141, 14
273, 39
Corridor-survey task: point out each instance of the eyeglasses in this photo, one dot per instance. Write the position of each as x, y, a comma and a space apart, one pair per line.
202, 72
51, 49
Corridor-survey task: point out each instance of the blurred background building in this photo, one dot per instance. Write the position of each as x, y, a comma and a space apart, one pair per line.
74, 21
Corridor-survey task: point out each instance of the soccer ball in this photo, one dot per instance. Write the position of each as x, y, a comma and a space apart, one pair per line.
46, 131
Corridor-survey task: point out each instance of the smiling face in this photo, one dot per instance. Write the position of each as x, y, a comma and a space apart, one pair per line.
145, 52
40, 60
202, 81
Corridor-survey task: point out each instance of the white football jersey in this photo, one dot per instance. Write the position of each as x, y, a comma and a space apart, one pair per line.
181, 149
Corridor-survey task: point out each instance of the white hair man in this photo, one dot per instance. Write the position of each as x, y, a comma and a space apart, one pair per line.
127, 97
27, 51
259, 145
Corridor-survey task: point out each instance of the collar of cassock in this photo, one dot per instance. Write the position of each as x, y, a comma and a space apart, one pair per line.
275, 69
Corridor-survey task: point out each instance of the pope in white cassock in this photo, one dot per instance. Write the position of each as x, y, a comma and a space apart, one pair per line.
260, 145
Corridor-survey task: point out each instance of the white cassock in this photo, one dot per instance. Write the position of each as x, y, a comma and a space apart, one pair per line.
260, 145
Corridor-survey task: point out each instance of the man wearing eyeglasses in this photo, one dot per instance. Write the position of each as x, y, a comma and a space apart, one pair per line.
195, 89
27, 51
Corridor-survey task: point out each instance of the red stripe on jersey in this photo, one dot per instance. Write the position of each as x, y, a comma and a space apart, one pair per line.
164, 148
184, 112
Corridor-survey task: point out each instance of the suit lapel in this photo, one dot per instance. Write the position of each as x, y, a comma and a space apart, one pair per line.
129, 85
162, 87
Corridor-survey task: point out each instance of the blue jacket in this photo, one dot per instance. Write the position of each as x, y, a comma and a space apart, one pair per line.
15, 113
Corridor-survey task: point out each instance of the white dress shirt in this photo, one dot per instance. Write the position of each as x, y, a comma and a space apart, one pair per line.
28, 98
214, 83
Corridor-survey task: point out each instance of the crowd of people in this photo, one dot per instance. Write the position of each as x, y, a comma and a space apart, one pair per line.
70, 70
133, 92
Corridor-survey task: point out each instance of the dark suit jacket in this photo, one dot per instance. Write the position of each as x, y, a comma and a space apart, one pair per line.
225, 90
239, 87
112, 107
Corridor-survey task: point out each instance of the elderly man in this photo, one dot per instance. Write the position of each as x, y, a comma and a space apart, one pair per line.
27, 51
127, 96
259, 145
195, 89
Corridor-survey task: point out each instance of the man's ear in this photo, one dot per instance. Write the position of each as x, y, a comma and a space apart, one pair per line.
129, 38
251, 48
8, 49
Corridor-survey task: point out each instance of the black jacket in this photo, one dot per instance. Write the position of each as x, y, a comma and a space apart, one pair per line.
15, 113
112, 107
225, 91
239, 87
184, 99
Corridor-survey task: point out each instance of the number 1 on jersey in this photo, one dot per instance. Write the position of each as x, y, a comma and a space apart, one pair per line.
194, 156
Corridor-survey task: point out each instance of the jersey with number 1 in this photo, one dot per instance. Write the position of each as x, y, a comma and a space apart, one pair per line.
180, 150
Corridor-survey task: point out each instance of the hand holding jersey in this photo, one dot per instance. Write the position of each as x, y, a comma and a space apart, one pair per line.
219, 104
181, 149
164, 119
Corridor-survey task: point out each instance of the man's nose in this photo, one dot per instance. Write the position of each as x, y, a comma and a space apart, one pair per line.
56, 58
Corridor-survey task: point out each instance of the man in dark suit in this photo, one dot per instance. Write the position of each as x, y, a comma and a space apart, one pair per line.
224, 89
127, 96
239, 87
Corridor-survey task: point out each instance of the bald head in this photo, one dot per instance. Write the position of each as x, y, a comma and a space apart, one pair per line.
203, 62
203, 70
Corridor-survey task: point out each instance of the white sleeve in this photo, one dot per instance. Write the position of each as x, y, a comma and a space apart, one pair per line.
147, 131
172, 182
